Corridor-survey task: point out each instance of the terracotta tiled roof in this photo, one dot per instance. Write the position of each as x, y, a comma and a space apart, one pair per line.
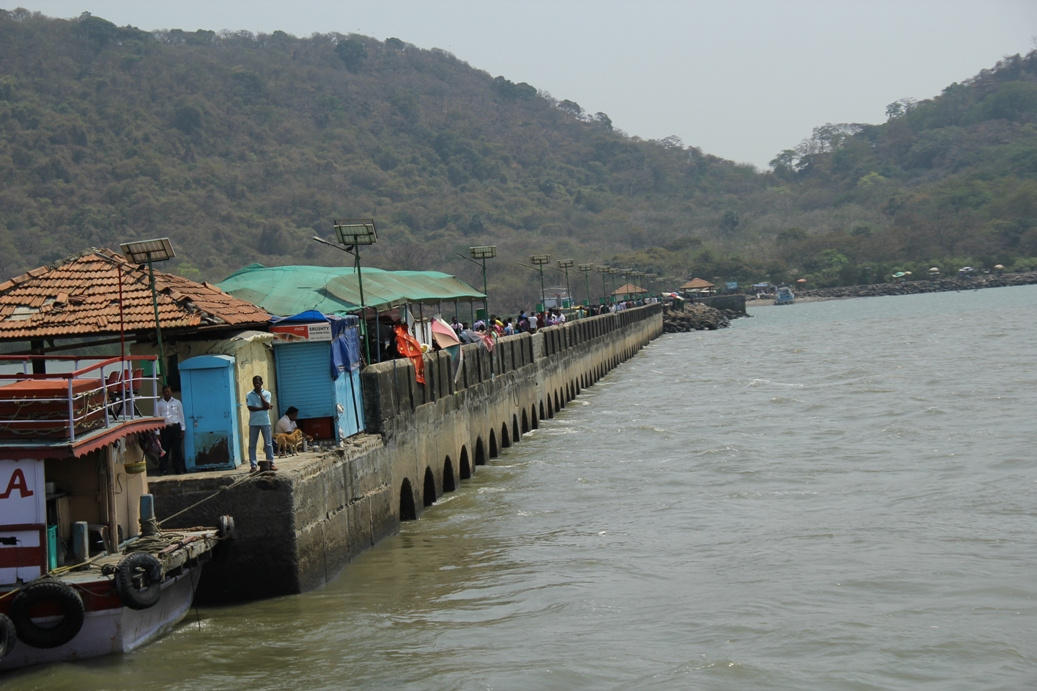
80, 297
628, 289
697, 283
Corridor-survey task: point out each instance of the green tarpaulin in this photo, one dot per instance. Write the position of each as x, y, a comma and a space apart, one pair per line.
287, 290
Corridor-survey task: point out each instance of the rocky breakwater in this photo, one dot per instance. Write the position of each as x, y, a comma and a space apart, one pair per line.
697, 318
938, 285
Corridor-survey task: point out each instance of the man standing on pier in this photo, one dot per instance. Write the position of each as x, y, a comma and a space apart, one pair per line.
258, 402
172, 435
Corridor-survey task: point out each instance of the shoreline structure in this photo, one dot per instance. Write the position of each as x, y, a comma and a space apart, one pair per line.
297, 528
939, 285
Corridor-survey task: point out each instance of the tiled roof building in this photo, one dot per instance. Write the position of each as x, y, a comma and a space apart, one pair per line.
697, 284
81, 298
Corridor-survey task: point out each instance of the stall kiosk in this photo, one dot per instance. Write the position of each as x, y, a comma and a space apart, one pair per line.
318, 371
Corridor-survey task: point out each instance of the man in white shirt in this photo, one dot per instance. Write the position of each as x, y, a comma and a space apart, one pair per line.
286, 423
258, 402
172, 435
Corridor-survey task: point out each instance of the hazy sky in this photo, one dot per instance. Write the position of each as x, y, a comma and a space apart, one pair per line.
741, 79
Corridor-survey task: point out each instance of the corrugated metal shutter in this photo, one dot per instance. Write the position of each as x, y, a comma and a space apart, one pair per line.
304, 379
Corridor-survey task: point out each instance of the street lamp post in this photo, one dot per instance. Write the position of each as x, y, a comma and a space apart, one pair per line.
351, 233
586, 269
150, 251
604, 271
484, 252
565, 264
613, 272
540, 260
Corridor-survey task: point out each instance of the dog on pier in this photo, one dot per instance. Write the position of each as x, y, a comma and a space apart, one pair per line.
290, 443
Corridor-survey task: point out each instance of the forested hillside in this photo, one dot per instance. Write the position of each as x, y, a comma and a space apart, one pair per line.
240, 147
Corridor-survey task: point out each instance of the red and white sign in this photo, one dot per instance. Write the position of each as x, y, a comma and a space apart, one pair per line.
302, 332
23, 497
23, 514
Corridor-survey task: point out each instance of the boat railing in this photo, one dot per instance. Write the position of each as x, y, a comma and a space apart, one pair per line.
61, 398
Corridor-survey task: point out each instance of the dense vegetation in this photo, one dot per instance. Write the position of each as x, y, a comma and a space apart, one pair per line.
240, 147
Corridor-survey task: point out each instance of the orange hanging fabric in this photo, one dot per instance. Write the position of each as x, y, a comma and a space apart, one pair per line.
408, 347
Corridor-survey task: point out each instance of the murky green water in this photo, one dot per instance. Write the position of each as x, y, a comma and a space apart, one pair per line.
837, 495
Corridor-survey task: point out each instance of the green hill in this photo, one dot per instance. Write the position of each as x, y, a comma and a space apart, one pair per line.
240, 147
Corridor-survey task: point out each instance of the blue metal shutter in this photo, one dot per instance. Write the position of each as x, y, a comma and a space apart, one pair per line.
304, 379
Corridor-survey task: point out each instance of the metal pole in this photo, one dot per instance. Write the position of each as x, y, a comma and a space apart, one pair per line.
543, 295
158, 326
568, 292
486, 294
363, 310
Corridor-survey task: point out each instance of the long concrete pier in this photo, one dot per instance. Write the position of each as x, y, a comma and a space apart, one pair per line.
297, 528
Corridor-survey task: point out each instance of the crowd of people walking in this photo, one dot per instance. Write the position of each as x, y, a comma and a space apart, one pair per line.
531, 321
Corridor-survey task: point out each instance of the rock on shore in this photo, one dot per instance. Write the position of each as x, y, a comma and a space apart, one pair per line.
697, 318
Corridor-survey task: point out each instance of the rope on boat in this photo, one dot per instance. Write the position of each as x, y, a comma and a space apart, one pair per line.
53, 573
153, 540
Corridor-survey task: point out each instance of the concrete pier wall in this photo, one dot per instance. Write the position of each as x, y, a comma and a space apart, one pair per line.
735, 303
297, 528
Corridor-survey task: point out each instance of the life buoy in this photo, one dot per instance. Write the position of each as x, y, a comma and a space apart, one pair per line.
58, 595
138, 580
7, 636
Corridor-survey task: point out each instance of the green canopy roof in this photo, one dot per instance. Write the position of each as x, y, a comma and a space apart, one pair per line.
288, 290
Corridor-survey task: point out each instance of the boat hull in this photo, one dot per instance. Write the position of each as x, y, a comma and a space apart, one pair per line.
115, 629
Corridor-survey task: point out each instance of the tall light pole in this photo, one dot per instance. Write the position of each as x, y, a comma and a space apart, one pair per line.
613, 272
351, 234
540, 260
484, 252
604, 271
586, 269
565, 264
149, 251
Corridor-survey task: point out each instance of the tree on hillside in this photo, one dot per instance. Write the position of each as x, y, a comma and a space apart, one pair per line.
352, 53
240, 147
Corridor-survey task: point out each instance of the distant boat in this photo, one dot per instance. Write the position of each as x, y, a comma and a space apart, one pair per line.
784, 296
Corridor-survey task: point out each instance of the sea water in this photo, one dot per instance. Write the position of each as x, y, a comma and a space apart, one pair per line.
836, 495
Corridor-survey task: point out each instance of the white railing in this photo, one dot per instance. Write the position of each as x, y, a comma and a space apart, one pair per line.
72, 396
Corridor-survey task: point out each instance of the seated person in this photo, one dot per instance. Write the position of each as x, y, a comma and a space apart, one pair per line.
286, 424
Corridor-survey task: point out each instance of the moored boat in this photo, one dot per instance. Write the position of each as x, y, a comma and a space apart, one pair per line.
85, 569
784, 296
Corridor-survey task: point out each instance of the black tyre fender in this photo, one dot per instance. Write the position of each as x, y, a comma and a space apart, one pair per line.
8, 636
138, 580
225, 528
58, 594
